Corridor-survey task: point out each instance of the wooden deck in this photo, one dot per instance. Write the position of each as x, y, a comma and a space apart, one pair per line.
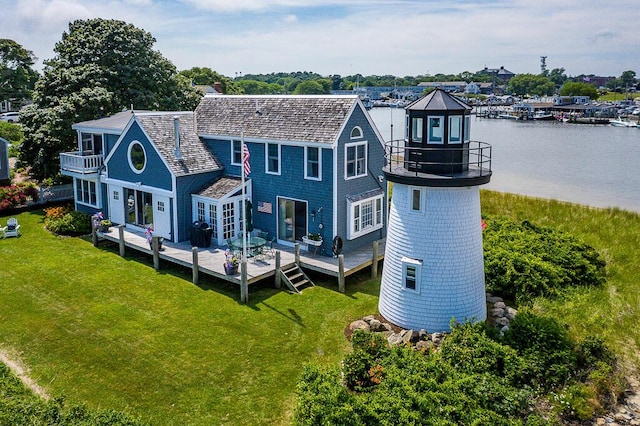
210, 261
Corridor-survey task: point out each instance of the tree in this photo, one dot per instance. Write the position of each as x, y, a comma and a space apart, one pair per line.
101, 67
312, 87
576, 88
628, 79
17, 78
557, 76
529, 84
206, 76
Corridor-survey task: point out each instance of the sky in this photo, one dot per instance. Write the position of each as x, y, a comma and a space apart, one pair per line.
368, 37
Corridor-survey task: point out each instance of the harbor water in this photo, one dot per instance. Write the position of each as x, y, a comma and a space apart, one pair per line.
595, 165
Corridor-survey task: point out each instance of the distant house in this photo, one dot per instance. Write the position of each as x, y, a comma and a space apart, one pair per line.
5, 172
447, 86
316, 167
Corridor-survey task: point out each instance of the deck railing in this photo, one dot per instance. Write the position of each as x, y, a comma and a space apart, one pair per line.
449, 161
81, 163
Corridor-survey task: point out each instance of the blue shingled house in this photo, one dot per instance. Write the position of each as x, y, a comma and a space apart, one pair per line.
316, 167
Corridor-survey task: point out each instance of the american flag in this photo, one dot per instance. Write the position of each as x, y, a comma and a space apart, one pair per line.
264, 207
245, 160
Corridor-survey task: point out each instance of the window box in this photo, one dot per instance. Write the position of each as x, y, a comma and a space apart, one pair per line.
312, 242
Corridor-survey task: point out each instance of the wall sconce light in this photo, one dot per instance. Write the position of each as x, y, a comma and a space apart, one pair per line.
381, 178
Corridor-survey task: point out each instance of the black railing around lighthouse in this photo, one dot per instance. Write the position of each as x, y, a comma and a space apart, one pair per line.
460, 165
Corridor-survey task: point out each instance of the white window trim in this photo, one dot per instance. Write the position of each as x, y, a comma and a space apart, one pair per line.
460, 127
352, 137
466, 127
266, 159
306, 163
423, 201
233, 163
366, 158
146, 158
78, 181
417, 265
429, 140
351, 232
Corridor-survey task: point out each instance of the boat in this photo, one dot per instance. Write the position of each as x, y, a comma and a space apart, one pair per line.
507, 116
622, 123
543, 115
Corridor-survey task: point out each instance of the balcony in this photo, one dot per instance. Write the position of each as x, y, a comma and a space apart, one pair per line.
467, 164
79, 162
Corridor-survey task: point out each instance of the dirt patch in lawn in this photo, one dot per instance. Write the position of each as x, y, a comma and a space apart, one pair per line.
16, 366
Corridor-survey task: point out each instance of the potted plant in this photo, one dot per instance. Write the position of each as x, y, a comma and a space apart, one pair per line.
104, 225
312, 239
231, 263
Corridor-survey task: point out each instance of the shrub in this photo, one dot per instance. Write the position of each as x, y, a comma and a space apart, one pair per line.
71, 223
523, 260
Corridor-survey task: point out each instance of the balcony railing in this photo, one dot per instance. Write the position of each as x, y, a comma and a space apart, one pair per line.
441, 165
79, 162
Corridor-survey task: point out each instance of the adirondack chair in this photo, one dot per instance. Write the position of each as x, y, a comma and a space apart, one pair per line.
12, 229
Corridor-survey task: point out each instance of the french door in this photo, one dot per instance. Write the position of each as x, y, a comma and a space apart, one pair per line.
292, 220
139, 207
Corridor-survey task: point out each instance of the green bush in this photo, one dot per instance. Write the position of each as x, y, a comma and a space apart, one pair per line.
71, 223
523, 260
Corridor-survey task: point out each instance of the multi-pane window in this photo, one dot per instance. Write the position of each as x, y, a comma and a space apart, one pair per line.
91, 143
200, 211
365, 216
228, 219
355, 160
312, 163
86, 192
273, 158
213, 220
160, 206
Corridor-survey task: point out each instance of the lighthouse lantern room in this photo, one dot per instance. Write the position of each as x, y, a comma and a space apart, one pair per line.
434, 267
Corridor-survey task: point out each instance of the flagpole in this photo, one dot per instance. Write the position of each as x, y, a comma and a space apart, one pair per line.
244, 202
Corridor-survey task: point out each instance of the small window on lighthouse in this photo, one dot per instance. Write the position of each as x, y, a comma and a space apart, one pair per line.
411, 273
416, 199
455, 129
436, 130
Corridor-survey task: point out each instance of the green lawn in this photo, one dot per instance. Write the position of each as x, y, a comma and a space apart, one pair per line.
115, 333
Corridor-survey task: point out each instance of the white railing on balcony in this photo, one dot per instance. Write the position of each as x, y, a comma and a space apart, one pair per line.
80, 163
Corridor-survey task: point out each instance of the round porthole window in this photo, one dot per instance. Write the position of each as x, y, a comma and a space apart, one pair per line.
137, 157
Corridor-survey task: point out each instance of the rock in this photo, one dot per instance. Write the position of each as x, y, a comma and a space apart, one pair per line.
499, 305
494, 299
415, 336
423, 334
510, 312
375, 325
387, 326
501, 322
394, 339
424, 345
600, 421
497, 312
359, 325
369, 318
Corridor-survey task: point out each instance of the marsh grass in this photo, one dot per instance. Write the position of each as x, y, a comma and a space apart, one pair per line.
114, 333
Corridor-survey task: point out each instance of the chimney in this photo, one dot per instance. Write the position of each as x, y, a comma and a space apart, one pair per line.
176, 131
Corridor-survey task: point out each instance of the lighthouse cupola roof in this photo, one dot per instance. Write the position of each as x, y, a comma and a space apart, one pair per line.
439, 100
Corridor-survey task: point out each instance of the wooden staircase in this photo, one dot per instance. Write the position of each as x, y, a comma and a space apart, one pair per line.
295, 278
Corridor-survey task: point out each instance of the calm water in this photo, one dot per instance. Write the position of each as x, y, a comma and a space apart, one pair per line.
585, 164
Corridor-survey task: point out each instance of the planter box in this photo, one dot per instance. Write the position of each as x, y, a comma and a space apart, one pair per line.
311, 242
230, 270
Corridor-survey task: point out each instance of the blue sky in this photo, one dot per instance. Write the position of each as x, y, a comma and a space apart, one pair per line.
398, 37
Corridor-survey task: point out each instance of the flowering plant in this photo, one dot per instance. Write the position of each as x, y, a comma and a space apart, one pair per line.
231, 259
314, 237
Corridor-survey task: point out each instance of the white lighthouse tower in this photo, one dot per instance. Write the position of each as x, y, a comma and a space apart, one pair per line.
434, 266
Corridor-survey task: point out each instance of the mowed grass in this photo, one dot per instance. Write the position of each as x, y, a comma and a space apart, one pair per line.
114, 333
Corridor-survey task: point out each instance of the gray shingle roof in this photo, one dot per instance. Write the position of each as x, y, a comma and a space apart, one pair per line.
221, 187
196, 157
114, 123
317, 118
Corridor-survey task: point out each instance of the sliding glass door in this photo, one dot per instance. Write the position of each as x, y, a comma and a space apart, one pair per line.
292, 220
139, 207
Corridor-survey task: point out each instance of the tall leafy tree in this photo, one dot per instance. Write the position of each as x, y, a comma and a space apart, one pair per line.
101, 67
529, 84
206, 76
17, 77
576, 88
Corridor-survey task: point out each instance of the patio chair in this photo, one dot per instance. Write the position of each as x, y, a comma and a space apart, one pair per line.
267, 249
12, 229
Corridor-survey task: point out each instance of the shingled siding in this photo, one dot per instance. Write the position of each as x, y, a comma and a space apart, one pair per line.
155, 173
347, 188
447, 238
185, 186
